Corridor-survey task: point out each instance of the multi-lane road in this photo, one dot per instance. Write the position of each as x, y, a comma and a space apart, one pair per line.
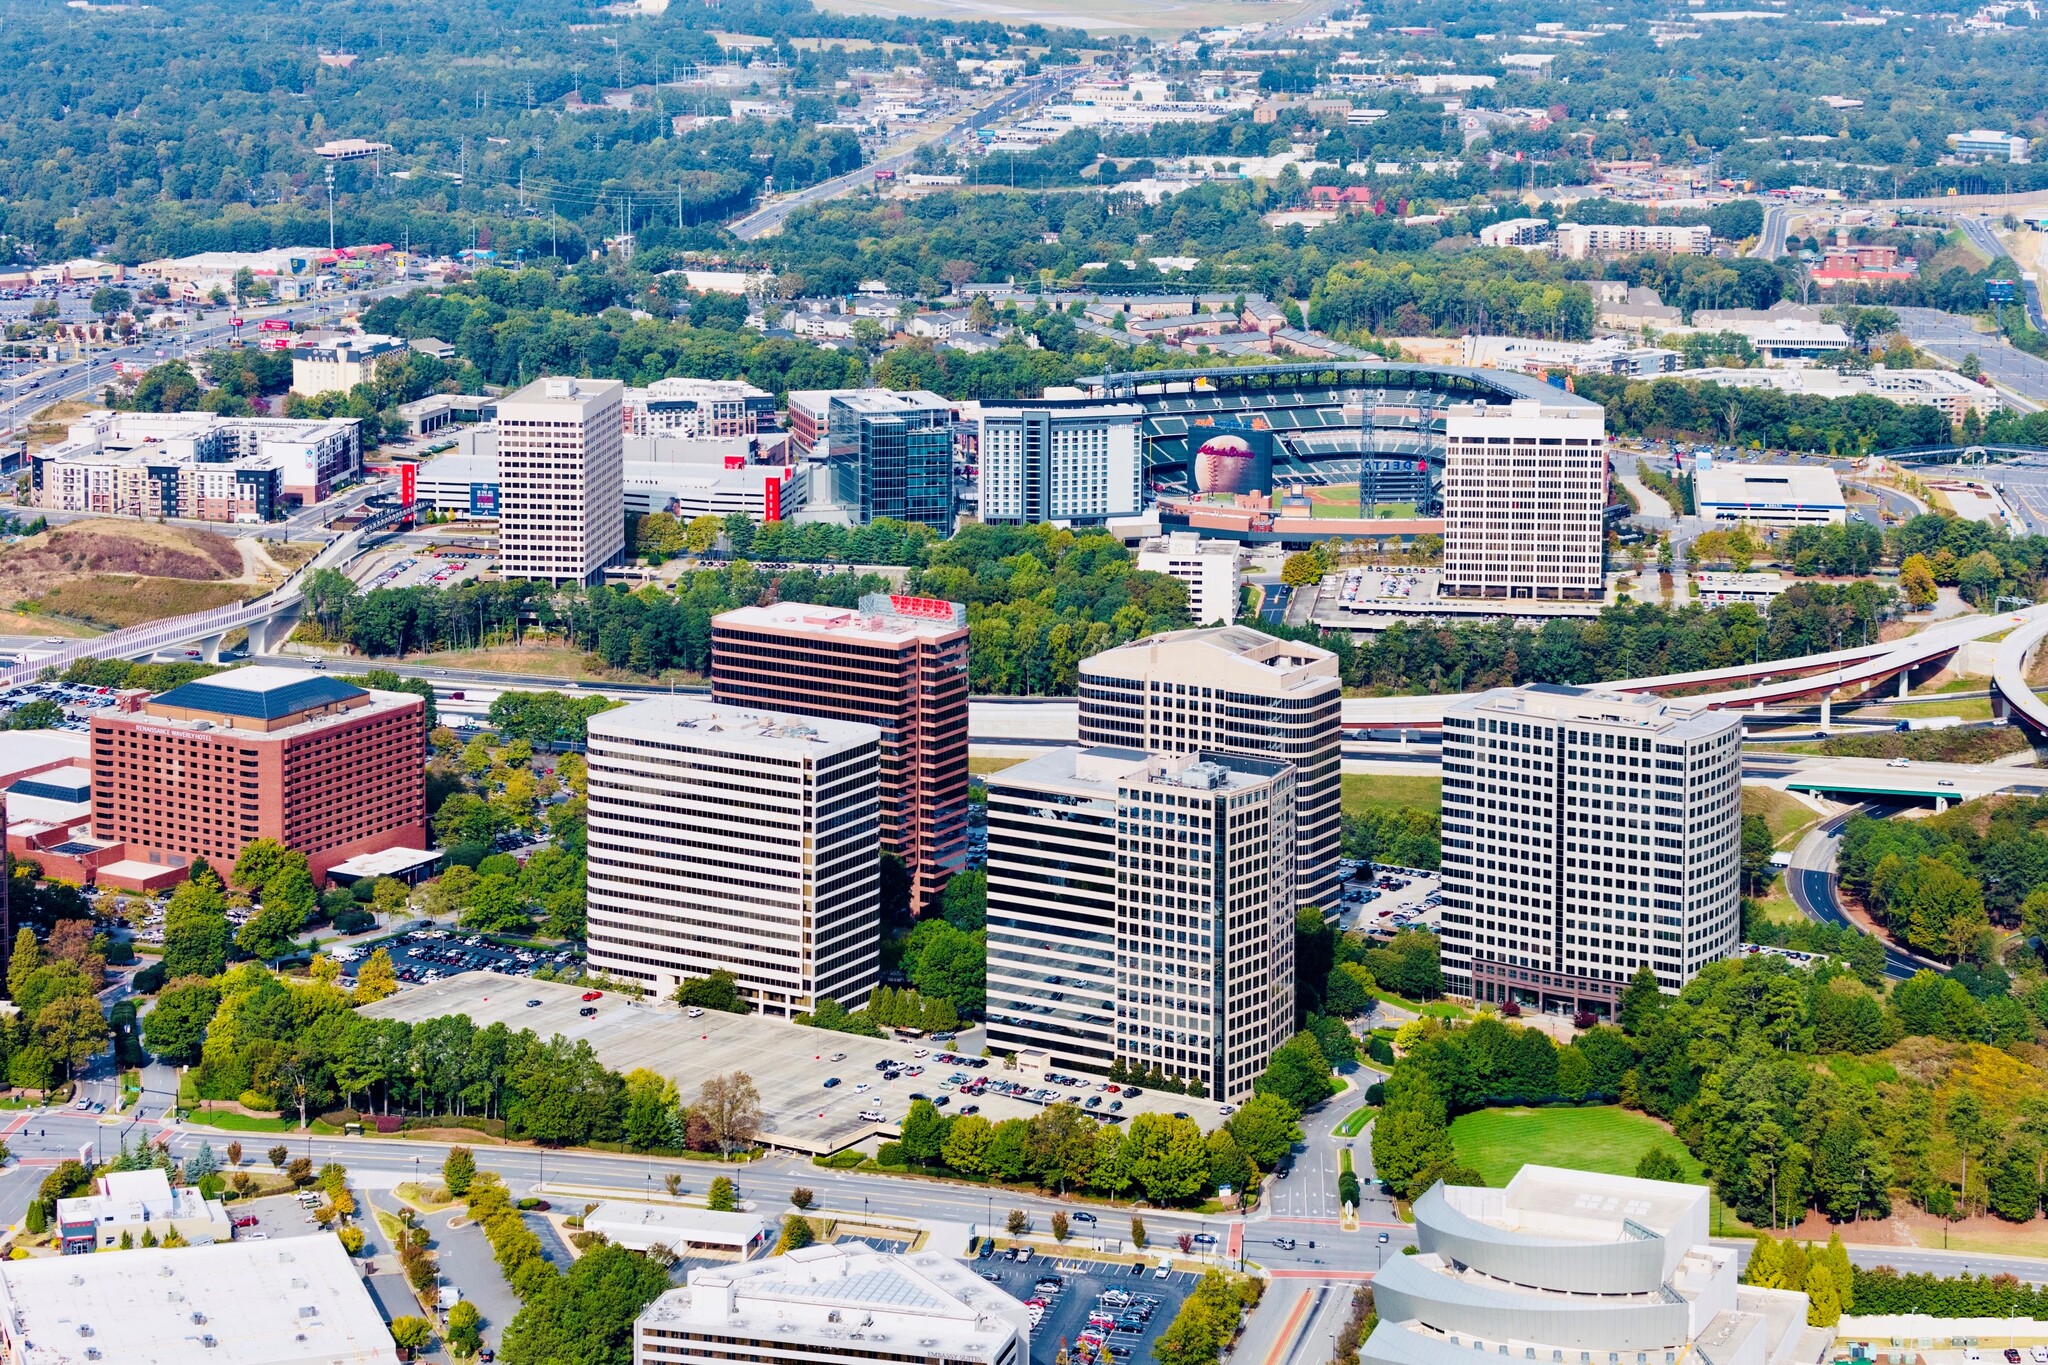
771, 216
1953, 337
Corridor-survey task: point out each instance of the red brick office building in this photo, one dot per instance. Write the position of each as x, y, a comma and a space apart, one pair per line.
317, 764
899, 664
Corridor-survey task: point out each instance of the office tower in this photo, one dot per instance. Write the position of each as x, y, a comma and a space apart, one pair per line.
319, 765
1060, 461
1577, 1268
1585, 835
561, 494
898, 664
1525, 495
1141, 907
1208, 567
834, 1305
892, 455
1233, 690
734, 839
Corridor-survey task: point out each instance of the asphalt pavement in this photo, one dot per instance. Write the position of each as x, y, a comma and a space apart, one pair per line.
1953, 337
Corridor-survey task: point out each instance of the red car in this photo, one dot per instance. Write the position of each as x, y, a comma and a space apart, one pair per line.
247, 1220
593, 995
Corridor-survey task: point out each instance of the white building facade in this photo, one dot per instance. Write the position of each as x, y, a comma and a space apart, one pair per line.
834, 1305
1587, 835
1525, 494
1208, 567
561, 499
735, 840
1060, 463
1141, 908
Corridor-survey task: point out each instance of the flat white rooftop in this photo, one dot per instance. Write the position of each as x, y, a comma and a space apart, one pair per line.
696, 723
289, 1301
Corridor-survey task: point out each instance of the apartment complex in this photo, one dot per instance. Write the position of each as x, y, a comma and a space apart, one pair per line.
561, 495
1233, 690
338, 366
834, 1305
898, 664
1572, 1266
1953, 394
315, 763
195, 465
1060, 462
892, 456
1525, 496
698, 407
723, 838
1577, 241
1586, 835
1141, 907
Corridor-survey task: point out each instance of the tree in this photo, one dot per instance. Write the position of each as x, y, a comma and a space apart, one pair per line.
797, 1233
1303, 570
72, 1030
1823, 1304
279, 1155
964, 902
465, 1329
40, 714
731, 1107
1659, 1164
1059, 1226
1017, 1223
723, 1196
412, 1332
924, 1132
271, 932
1265, 1127
801, 1198
376, 978
1137, 1232
1167, 1156
262, 859
718, 991
1297, 1073
1641, 1003
195, 929
175, 1027
458, 1170
1916, 581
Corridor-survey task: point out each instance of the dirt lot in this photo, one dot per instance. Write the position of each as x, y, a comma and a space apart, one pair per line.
119, 573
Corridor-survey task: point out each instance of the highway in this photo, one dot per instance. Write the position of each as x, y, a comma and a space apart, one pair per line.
1952, 338
770, 217
70, 379
1770, 243
1978, 230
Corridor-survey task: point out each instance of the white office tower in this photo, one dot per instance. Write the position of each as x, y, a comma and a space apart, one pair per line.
1208, 567
561, 480
834, 1305
1587, 834
1572, 1268
1525, 493
723, 838
1060, 461
1142, 907
1234, 690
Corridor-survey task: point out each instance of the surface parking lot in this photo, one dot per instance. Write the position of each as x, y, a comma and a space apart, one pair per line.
1083, 1284
788, 1064
430, 955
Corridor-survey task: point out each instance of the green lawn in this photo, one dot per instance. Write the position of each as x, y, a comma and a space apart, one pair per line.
1787, 815
1355, 1121
1391, 791
1606, 1137
1968, 708
229, 1121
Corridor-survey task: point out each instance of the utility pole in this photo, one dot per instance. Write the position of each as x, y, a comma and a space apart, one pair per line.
330, 206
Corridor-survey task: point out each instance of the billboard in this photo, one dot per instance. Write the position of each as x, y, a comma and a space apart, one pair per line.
1233, 461
483, 500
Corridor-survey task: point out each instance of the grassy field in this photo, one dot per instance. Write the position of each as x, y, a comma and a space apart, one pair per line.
1969, 708
1355, 1121
1607, 1138
119, 573
1787, 816
1391, 791
983, 766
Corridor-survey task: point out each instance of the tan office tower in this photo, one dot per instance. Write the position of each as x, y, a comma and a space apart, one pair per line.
898, 664
1234, 690
1587, 835
1525, 494
561, 480
733, 839
1141, 908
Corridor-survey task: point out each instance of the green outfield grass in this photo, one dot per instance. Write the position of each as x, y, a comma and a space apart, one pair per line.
1379, 791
